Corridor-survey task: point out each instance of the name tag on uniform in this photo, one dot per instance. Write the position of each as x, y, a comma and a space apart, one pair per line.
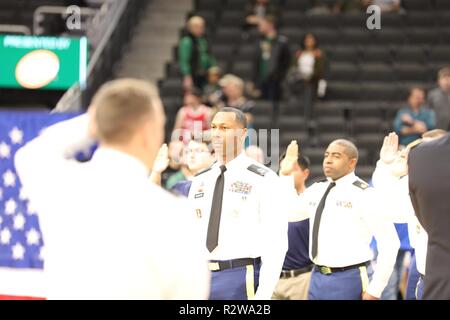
344, 204
199, 195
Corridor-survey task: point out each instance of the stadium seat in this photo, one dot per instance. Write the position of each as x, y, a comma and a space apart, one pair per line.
410, 54
297, 5
342, 71
331, 124
243, 69
293, 123
376, 54
366, 125
342, 53
416, 5
440, 54
376, 72
411, 72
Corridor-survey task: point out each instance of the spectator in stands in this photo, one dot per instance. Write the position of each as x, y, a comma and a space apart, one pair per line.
233, 97
439, 100
271, 62
257, 10
211, 91
256, 153
193, 116
351, 6
194, 55
321, 7
415, 119
198, 155
308, 72
175, 154
388, 5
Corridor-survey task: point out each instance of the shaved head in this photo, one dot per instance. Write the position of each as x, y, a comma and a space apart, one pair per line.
340, 159
349, 148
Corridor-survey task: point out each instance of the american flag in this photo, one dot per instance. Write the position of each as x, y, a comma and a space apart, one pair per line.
21, 243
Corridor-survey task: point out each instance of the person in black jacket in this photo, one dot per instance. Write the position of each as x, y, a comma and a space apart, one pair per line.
429, 187
272, 61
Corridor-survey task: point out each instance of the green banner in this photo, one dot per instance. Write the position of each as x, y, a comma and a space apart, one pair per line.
33, 62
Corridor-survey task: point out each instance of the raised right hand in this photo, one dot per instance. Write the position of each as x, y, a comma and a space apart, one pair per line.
288, 163
388, 151
162, 159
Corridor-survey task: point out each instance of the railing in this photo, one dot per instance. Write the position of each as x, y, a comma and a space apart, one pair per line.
111, 31
103, 24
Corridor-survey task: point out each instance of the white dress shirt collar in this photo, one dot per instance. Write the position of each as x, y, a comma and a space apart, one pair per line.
349, 178
233, 163
116, 158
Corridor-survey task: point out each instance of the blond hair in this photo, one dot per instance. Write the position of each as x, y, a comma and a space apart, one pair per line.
232, 79
195, 20
121, 106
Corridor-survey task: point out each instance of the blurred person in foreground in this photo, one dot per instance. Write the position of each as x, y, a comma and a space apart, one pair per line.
429, 187
391, 177
108, 232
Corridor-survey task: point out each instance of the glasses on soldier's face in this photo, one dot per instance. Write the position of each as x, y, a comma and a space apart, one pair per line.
189, 151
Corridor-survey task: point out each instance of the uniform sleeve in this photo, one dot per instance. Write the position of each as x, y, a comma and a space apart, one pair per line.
296, 205
381, 226
274, 225
184, 56
394, 193
46, 161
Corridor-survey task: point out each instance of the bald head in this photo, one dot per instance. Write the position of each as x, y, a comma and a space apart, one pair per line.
349, 148
434, 134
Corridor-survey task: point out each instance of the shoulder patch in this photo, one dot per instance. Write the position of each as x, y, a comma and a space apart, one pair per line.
258, 170
361, 184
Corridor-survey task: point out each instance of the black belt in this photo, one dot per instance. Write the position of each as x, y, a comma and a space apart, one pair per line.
295, 272
235, 263
329, 270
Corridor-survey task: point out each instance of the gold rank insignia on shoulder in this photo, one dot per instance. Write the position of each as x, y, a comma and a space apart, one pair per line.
414, 144
361, 184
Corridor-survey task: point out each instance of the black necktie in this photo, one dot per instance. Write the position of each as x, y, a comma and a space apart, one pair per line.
315, 234
212, 239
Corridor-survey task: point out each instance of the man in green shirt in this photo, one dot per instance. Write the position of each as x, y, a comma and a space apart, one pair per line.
193, 54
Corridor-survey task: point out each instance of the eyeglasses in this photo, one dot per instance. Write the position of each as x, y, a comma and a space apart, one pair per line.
196, 151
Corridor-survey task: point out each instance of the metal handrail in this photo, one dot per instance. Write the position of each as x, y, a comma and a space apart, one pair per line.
121, 5
71, 99
15, 28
